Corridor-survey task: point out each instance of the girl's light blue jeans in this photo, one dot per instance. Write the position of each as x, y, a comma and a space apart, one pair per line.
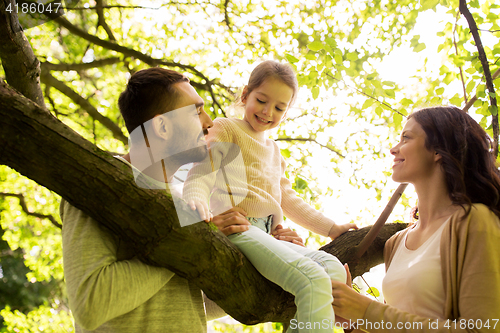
302, 272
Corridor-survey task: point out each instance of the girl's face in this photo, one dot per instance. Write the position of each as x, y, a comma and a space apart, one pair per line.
267, 104
412, 160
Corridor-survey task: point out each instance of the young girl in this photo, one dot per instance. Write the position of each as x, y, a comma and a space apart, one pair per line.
246, 169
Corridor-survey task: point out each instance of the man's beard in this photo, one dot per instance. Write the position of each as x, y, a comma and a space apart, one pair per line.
193, 155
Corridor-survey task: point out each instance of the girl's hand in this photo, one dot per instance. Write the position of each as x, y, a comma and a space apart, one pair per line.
202, 208
339, 229
287, 235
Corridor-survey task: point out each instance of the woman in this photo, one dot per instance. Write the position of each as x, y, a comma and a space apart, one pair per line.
443, 272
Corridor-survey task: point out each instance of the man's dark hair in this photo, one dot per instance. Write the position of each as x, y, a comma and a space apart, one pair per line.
149, 92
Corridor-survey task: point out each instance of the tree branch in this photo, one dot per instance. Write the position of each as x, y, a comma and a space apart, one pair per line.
312, 140
22, 203
365, 94
474, 99
80, 66
22, 68
226, 14
487, 74
102, 20
47, 78
489, 30
56, 157
125, 50
456, 52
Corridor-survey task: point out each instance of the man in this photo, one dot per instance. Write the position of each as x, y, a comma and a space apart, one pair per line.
109, 289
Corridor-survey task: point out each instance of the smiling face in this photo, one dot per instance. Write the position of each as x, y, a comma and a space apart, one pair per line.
180, 134
266, 105
413, 162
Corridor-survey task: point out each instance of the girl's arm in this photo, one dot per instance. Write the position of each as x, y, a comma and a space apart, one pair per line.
202, 177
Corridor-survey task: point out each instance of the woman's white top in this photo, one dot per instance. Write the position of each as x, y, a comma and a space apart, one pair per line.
414, 282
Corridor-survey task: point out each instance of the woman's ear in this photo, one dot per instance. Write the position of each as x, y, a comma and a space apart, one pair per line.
161, 127
244, 95
437, 156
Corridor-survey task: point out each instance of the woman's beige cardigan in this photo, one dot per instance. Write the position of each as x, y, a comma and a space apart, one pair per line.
470, 259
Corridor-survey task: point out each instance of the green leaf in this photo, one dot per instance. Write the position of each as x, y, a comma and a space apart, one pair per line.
338, 56
378, 110
332, 42
419, 47
286, 153
428, 4
484, 110
439, 91
441, 46
398, 119
369, 102
406, 102
389, 84
480, 93
315, 46
471, 70
315, 92
456, 100
313, 75
371, 76
373, 291
352, 56
474, 3
300, 184
291, 58
310, 56
470, 86
493, 110
390, 93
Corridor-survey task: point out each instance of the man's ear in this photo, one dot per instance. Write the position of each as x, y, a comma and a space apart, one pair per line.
161, 127
244, 95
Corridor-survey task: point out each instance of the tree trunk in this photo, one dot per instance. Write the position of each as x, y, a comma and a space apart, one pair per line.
45, 150
22, 68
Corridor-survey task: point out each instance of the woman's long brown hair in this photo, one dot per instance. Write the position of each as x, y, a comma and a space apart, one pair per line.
467, 161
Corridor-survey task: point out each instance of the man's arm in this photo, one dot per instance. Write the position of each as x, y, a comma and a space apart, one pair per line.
99, 286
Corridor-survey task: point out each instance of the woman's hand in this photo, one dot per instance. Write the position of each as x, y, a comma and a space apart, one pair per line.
287, 235
347, 303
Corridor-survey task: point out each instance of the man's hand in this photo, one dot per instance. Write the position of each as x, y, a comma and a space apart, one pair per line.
232, 221
287, 235
339, 229
202, 208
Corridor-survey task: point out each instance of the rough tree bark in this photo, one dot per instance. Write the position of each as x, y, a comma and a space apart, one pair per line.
22, 68
42, 148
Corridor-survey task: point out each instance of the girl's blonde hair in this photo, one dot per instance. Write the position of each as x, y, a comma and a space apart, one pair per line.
270, 69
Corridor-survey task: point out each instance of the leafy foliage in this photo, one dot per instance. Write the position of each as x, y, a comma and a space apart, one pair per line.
335, 139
